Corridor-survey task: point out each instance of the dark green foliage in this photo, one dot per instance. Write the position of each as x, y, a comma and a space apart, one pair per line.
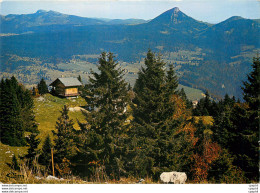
236, 127
223, 170
32, 152
205, 106
252, 97
27, 113
171, 81
11, 123
14, 164
35, 91
80, 87
63, 137
183, 95
16, 112
45, 156
252, 94
158, 143
103, 137
42, 87
79, 78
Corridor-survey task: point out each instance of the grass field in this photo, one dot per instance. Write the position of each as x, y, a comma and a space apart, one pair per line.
47, 110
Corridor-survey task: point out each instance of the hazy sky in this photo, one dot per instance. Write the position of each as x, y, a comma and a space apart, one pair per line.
212, 11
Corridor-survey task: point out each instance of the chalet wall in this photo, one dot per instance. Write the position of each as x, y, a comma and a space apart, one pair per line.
60, 89
71, 91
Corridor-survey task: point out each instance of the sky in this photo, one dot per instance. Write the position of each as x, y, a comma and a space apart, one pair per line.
212, 11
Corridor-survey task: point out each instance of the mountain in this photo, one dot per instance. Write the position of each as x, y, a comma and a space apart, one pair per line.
47, 19
176, 19
210, 57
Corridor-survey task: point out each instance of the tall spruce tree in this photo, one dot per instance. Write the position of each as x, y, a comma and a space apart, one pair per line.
11, 124
42, 87
158, 141
79, 78
45, 156
252, 97
204, 106
16, 110
171, 81
63, 137
251, 93
32, 141
236, 127
184, 97
27, 114
104, 134
14, 164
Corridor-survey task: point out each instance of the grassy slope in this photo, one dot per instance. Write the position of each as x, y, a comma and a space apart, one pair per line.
47, 110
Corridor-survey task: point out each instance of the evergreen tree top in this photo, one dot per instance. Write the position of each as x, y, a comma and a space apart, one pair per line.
252, 85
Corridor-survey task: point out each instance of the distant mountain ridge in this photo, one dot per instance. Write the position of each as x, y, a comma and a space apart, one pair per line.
213, 57
14, 23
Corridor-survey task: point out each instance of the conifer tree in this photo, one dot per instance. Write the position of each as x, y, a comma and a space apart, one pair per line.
16, 112
157, 127
105, 132
171, 81
42, 87
63, 137
237, 126
184, 97
45, 156
12, 131
14, 164
35, 92
80, 87
79, 78
204, 106
27, 114
252, 94
252, 97
33, 141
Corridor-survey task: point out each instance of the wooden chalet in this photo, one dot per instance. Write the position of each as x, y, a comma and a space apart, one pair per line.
66, 87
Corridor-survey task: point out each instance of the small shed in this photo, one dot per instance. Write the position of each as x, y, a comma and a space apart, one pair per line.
66, 87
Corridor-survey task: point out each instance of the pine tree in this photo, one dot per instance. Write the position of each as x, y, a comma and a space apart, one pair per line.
45, 156
42, 87
79, 78
63, 137
35, 92
80, 87
171, 81
27, 114
12, 131
184, 97
16, 112
237, 126
204, 106
32, 151
105, 132
14, 164
157, 125
251, 92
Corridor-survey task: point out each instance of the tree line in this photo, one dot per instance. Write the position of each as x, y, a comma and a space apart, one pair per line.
148, 129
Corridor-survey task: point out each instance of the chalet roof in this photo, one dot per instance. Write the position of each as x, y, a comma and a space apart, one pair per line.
68, 81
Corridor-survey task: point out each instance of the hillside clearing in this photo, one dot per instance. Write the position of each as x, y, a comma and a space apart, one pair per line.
47, 110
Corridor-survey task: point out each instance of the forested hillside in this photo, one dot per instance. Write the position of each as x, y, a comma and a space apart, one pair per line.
127, 133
